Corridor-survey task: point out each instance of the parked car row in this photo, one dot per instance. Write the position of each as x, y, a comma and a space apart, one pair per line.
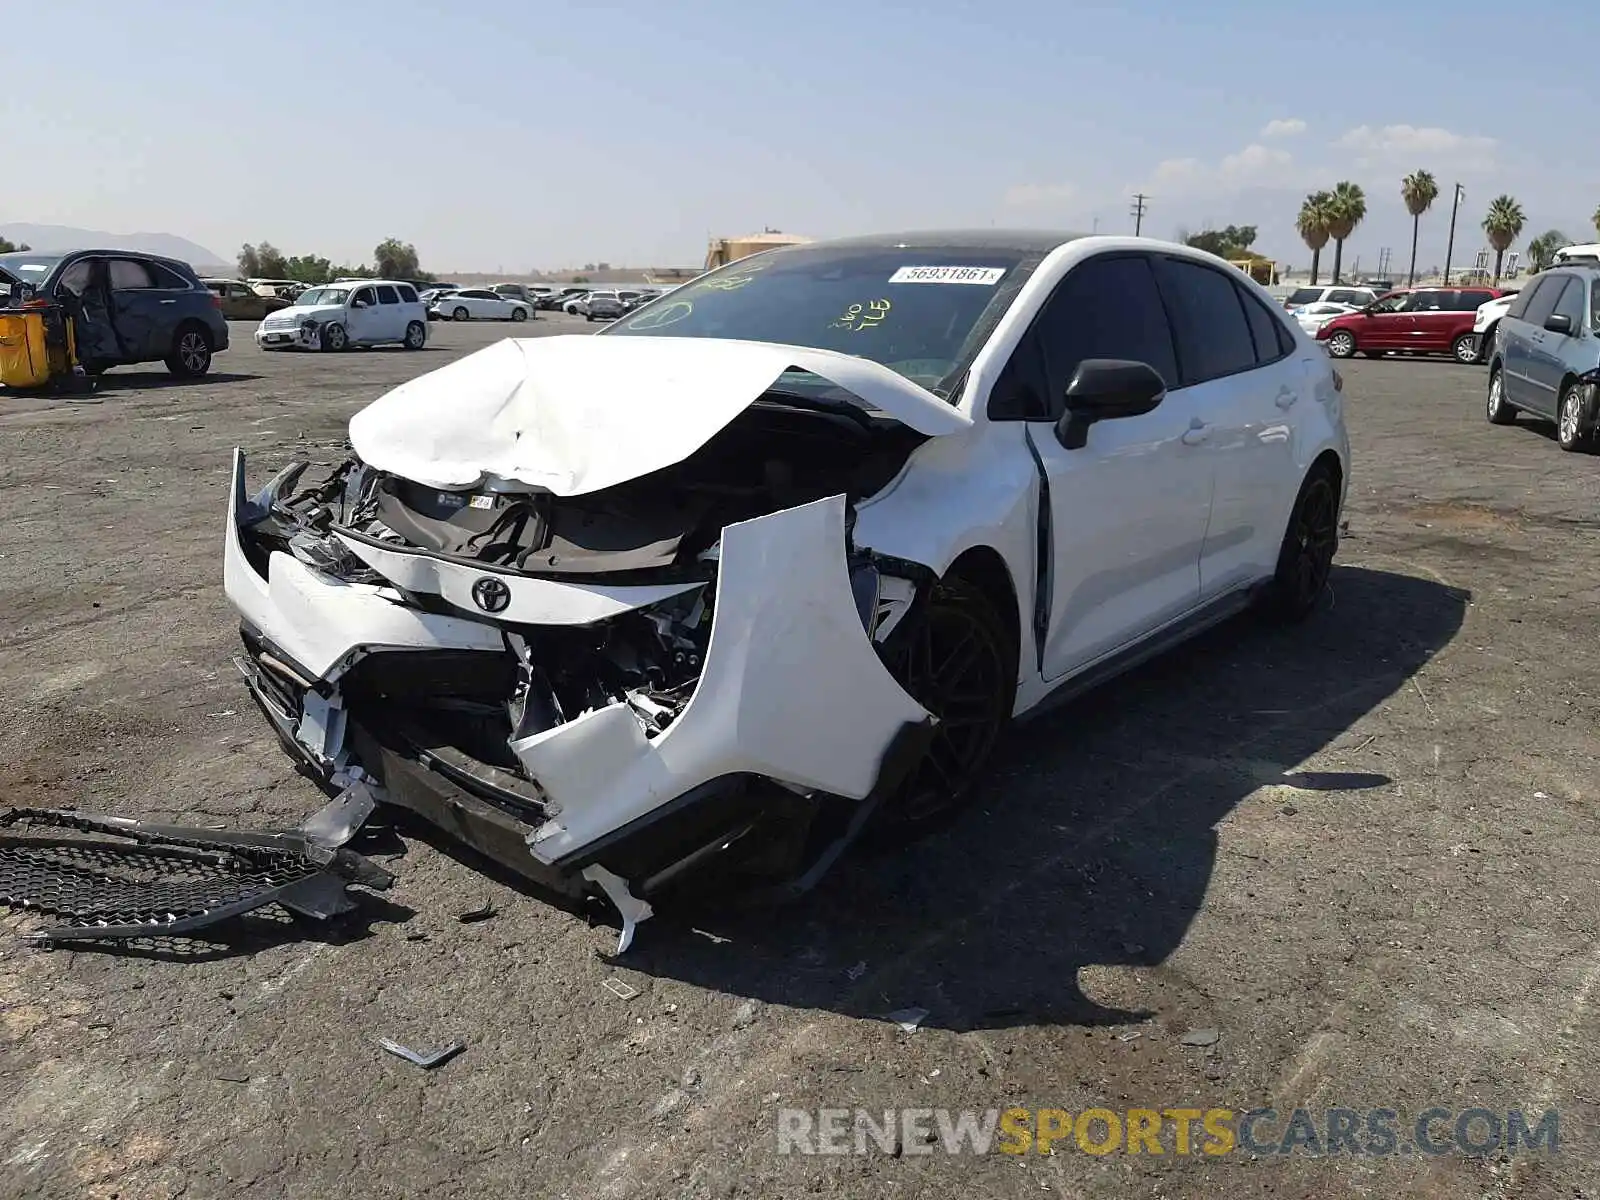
1424, 320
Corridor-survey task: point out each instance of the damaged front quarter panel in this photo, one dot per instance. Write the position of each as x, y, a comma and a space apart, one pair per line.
792, 689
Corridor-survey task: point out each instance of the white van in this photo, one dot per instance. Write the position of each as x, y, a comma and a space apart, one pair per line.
336, 316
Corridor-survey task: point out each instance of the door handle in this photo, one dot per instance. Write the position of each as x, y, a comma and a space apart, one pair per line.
1286, 398
1198, 432
169, 302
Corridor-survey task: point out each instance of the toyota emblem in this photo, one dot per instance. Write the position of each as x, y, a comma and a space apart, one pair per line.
490, 594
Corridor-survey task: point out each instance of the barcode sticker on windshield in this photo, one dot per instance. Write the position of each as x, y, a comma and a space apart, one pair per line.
983, 276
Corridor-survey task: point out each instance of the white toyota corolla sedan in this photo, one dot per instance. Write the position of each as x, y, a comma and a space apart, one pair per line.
772, 560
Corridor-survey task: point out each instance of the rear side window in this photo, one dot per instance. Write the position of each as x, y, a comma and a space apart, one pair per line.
408, 294
1545, 299
1431, 300
1208, 319
1348, 297
387, 295
127, 275
1271, 338
166, 277
1470, 301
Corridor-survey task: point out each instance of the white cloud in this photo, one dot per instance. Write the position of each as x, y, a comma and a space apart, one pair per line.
1413, 143
1039, 195
1254, 165
1283, 127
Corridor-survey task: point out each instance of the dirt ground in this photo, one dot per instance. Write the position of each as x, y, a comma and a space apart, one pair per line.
1363, 851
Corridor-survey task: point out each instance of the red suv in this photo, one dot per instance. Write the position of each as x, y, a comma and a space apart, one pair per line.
1428, 320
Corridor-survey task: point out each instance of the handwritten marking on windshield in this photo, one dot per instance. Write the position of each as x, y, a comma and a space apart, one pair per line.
732, 283
669, 314
858, 318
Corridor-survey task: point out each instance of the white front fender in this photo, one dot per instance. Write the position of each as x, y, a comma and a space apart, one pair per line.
792, 689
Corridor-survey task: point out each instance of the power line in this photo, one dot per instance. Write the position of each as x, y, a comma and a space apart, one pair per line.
1138, 211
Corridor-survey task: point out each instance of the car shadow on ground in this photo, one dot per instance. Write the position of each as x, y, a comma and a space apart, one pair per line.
144, 381
1096, 840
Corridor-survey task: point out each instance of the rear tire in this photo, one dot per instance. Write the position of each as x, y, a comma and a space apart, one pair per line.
416, 336
191, 352
1305, 557
1465, 349
1499, 410
1342, 344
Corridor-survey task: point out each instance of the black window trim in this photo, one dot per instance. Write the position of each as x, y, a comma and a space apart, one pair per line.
1027, 337
1237, 295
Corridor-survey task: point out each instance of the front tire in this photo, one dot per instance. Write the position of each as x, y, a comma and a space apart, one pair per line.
1465, 349
1571, 432
191, 352
333, 338
1499, 410
416, 336
1342, 344
1305, 557
519, 314
956, 658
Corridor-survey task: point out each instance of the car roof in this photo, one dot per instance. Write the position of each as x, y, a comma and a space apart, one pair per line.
1021, 241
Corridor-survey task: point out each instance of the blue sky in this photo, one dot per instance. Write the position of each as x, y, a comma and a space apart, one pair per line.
506, 135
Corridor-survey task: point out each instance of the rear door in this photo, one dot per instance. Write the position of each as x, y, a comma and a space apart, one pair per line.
145, 316
1246, 379
363, 321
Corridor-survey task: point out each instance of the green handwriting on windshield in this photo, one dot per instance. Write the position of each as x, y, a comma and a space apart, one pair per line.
730, 283
860, 317
658, 317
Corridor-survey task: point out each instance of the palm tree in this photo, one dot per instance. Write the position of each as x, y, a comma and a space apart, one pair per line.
1419, 191
1313, 226
1543, 248
1596, 220
1347, 208
1502, 224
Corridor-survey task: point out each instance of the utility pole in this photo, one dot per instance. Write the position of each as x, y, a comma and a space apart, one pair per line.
1138, 211
1460, 194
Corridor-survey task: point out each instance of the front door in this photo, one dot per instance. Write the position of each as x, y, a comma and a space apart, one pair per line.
1128, 510
1523, 321
1549, 351
364, 322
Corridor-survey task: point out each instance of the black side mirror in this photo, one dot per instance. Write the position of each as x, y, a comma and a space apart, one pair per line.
1559, 323
1103, 389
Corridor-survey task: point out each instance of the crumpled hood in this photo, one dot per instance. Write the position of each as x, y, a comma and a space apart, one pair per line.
573, 413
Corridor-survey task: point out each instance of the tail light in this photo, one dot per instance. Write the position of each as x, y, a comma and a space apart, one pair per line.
216, 300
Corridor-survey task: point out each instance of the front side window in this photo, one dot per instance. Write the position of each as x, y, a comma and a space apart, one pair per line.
1545, 299
1208, 318
363, 296
922, 312
1570, 305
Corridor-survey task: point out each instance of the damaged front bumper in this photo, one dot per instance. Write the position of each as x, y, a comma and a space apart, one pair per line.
429, 676
306, 335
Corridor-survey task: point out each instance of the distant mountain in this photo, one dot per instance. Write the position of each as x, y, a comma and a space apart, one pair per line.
49, 238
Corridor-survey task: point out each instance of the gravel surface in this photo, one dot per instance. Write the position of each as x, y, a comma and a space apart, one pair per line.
1354, 863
